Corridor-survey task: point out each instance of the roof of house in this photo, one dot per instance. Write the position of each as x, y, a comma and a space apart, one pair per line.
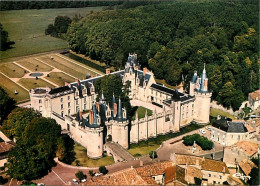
5, 147
170, 174
228, 126
246, 166
255, 95
59, 89
206, 164
248, 147
193, 172
214, 165
250, 129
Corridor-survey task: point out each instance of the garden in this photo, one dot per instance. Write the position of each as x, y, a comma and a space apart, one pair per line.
202, 141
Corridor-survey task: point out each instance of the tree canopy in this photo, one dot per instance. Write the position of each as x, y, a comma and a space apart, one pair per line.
175, 38
6, 104
5, 42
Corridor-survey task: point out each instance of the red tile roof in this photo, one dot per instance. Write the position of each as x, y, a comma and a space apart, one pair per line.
5, 147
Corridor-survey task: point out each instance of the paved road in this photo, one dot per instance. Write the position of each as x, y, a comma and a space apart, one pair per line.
120, 151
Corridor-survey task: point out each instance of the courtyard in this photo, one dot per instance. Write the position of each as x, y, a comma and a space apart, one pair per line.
52, 70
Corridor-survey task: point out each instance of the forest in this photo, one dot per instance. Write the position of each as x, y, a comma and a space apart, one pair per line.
175, 38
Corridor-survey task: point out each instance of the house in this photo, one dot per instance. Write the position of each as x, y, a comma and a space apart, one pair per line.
240, 151
228, 132
210, 171
254, 99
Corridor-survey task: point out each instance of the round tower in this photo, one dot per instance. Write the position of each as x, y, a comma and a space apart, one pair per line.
95, 142
38, 102
202, 97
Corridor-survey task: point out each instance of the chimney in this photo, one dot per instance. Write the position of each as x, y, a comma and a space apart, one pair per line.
108, 71
135, 56
91, 117
141, 163
98, 106
115, 109
145, 70
78, 82
80, 115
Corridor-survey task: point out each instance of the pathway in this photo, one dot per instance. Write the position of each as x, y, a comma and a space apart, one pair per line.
15, 82
118, 150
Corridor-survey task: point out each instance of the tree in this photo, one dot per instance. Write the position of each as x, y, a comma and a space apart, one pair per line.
5, 42
103, 170
17, 120
254, 174
197, 181
3, 180
50, 30
7, 104
153, 154
80, 175
62, 23
65, 150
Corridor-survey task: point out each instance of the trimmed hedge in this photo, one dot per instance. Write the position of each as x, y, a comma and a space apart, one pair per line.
202, 141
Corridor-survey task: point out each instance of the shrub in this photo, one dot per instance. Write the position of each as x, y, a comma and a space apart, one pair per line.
202, 141
80, 175
103, 170
197, 181
153, 154
137, 155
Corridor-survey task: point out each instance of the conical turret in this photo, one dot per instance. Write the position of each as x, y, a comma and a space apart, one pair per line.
119, 111
204, 81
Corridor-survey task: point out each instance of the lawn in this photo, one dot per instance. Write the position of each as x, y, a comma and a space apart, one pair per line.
84, 160
162, 81
144, 147
215, 112
12, 70
30, 83
141, 112
10, 87
59, 78
34, 65
143, 150
70, 70
27, 27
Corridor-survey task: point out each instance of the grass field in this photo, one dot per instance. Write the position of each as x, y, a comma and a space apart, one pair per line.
70, 68
59, 78
30, 83
84, 160
27, 27
34, 65
141, 112
215, 112
10, 87
12, 70
143, 150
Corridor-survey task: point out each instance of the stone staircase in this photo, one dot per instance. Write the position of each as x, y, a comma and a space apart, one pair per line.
118, 152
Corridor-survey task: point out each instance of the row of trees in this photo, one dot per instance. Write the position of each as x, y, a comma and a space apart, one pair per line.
174, 39
20, 5
5, 42
202, 141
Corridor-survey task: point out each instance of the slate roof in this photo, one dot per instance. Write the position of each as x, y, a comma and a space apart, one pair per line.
176, 96
59, 90
228, 126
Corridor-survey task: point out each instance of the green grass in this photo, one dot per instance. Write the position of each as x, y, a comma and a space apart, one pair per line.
30, 83
162, 81
141, 112
10, 87
215, 112
12, 70
59, 78
143, 150
27, 27
84, 160
144, 147
34, 65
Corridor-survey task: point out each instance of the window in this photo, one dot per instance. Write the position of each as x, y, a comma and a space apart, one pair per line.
68, 104
61, 106
209, 175
69, 112
220, 177
77, 108
61, 99
40, 101
62, 113
40, 108
77, 102
77, 93
232, 136
68, 97
85, 106
238, 137
85, 99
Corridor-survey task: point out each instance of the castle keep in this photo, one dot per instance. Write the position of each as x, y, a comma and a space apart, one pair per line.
108, 121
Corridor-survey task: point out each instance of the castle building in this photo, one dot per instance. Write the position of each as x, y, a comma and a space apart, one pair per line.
93, 123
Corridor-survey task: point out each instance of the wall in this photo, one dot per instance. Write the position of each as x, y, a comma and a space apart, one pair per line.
215, 176
214, 104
